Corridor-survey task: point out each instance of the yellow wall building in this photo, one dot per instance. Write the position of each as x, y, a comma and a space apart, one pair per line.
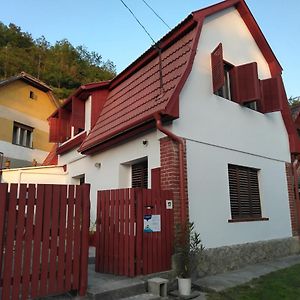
25, 105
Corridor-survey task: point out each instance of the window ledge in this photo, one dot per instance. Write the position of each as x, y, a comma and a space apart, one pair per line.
247, 220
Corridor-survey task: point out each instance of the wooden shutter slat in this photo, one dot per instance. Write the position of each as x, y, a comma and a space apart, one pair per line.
244, 192
65, 127
217, 66
271, 95
54, 125
245, 83
78, 113
139, 175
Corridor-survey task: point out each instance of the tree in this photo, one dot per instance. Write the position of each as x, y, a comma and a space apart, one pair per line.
61, 65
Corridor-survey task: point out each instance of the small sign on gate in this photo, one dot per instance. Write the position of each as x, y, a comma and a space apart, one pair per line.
169, 204
152, 223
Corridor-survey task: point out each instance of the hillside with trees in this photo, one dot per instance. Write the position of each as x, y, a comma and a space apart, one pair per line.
62, 66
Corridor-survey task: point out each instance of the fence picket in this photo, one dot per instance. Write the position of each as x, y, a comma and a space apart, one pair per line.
61, 264
77, 240
28, 242
121, 233
36, 272
126, 232
3, 207
84, 249
70, 237
10, 241
132, 237
46, 240
106, 230
53, 238
18, 255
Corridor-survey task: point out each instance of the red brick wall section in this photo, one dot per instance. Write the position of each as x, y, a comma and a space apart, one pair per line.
292, 198
169, 161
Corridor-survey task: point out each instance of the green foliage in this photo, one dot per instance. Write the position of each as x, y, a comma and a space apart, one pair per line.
62, 66
282, 284
190, 252
294, 101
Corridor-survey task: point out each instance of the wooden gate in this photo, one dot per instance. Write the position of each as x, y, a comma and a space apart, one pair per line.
43, 240
124, 246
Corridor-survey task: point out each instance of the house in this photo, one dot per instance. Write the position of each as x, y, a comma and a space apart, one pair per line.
25, 104
207, 106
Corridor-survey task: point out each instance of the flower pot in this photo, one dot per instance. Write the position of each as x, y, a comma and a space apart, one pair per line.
184, 286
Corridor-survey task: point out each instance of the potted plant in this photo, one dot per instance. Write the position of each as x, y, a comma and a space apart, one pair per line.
189, 252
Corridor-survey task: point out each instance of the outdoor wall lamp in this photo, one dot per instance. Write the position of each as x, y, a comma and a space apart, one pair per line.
98, 165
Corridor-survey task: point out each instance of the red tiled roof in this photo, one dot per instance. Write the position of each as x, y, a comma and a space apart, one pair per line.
136, 94
52, 158
141, 95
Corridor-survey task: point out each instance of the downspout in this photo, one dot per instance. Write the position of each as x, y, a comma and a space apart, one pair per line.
180, 142
295, 166
1, 165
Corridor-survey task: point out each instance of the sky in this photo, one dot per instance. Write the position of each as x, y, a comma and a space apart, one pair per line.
109, 29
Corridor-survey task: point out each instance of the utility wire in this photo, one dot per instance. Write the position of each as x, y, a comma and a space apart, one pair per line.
138, 21
156, 14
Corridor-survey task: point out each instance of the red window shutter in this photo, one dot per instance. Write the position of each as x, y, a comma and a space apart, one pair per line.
271, 95
54, 136
65, 127
78, 113
245, 83
217, 66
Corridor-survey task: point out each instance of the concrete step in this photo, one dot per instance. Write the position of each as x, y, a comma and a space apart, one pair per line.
108, 286
145, 296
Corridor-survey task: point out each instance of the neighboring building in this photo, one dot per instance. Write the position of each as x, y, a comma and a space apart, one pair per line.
25, 104
215, 85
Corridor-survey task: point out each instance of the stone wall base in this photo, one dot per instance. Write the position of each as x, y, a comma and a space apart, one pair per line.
220, 260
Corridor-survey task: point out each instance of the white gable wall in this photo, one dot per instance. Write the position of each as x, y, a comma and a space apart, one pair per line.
220, 132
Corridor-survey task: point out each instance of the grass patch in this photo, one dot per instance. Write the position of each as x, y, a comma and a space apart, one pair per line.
282, 284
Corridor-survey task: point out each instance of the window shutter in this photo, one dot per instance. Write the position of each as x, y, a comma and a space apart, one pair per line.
245, 83
78, 113
54, 135
65, 127
271, 95
244, 192
217, 68
139, 175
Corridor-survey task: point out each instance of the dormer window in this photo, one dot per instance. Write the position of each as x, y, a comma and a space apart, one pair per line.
237, 83
225, 90
32, 95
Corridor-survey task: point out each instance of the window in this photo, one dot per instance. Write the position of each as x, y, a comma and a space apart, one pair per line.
237, 83
32, 95
225, 90
139, 175
244, 193
22, 135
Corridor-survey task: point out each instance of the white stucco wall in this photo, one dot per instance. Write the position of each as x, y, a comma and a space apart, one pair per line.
114, 171
219, 132
18, 152
43, 175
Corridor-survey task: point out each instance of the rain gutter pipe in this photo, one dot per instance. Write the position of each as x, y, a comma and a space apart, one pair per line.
180, 142
295, 166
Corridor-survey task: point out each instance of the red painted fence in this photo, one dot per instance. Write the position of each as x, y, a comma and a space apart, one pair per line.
123, 247
43, 240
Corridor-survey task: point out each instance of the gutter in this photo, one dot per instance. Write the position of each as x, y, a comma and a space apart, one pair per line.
295, 166
1, 166
180, 141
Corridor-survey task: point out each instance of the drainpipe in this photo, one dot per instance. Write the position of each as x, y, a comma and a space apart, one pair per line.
1, 165
295, 166
180, 142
